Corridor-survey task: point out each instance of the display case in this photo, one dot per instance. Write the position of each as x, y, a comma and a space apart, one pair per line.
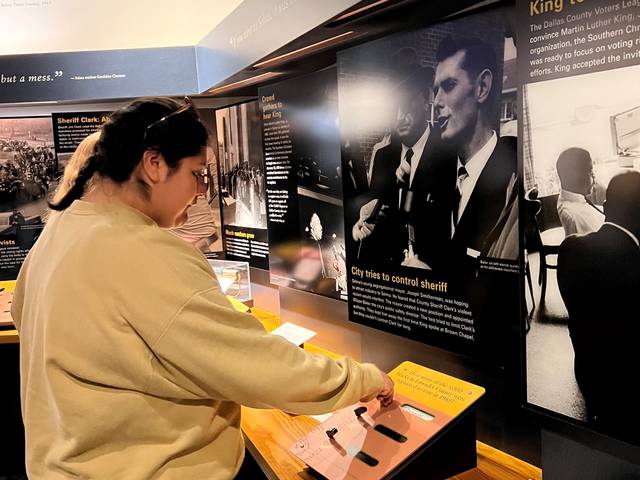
234, 279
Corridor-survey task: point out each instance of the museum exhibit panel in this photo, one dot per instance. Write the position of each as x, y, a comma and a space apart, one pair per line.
304, 179
448, 190
242, 184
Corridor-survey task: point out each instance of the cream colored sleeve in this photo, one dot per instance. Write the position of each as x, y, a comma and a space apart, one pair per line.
16, 307
212, 351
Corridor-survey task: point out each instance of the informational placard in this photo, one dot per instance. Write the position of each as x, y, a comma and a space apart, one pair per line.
429, 166
97, 74
242, 184
581, 155
28, 172
70, 128
304, 184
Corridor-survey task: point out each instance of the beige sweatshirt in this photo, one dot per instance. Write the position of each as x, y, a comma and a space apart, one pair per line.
134, 364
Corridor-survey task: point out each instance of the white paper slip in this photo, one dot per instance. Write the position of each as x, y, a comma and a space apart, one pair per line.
225, 283
321, 418
294, 333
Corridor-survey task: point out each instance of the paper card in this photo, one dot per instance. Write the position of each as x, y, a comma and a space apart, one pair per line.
294, 333
321, 418
371, 445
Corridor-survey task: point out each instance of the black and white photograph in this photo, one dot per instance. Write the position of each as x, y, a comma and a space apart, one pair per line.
241, 166
582, 191
318, 264
429, 154
242, 184
418, 124
28, 172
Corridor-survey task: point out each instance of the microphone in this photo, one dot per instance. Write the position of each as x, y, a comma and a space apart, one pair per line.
406, 210
372, 219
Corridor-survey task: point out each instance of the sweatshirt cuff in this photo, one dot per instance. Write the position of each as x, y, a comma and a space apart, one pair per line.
373, 381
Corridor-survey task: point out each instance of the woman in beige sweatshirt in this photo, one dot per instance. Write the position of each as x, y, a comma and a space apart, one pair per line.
133, 363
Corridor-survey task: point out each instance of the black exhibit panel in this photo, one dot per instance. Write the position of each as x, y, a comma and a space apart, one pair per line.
429, 163
304, 184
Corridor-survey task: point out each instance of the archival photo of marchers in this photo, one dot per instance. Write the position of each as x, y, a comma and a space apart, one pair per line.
241, 166
242, 184
307, 242
203, 227
581, 157
28, 172
428, 124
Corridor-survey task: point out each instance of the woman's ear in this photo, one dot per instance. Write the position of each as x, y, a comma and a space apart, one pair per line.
153, 167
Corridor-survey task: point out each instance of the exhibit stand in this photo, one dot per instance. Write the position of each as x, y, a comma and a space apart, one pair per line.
447, 449
429, 430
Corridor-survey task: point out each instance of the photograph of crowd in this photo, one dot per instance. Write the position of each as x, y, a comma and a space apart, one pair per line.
28, 172
241, 166
582, 191
27, 161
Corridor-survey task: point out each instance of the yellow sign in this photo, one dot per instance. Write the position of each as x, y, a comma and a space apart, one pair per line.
447, 394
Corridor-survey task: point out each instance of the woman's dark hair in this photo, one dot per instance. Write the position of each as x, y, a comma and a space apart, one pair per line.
144, 124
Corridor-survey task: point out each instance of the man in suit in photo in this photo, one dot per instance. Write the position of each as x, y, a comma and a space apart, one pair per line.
474, 191
398, 173
599, 280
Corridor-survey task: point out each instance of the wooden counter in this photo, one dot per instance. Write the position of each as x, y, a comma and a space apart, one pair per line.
9, 336
270, 433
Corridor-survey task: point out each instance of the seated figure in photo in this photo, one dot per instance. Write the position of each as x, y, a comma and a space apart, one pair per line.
576, 208
599, 280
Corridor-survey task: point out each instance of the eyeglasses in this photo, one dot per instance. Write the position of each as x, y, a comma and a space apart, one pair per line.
187, 106
202, 176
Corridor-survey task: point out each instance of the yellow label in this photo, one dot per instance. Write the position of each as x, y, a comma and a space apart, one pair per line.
238, 305
8, 285
442, 392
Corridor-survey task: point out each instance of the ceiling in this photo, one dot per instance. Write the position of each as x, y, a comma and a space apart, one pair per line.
365, 21
44, 26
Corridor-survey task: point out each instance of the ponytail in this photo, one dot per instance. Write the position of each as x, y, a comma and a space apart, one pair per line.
78, 187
